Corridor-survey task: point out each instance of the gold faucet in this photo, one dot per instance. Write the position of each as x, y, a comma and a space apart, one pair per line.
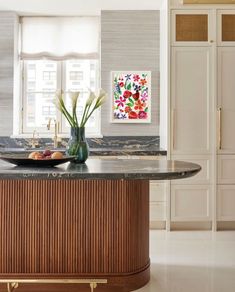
56, 139
34, 141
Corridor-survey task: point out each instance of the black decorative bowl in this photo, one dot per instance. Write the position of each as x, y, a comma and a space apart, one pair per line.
23, 160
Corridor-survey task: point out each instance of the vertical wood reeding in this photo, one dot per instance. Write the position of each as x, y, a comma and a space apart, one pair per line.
73, 226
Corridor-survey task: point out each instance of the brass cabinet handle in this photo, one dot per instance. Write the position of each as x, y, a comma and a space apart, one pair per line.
219, 126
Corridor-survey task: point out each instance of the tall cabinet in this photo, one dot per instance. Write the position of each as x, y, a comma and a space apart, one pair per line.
192, 112
226, 119
202, 127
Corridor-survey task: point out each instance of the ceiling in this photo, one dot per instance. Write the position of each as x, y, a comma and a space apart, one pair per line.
75, 7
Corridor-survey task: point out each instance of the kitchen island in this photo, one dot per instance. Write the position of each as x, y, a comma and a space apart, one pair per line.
76, 224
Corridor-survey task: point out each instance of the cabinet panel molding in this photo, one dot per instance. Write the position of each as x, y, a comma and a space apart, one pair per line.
191, 100
226, 203
226, 169
226, 101
157, 192
190, 203
157, 211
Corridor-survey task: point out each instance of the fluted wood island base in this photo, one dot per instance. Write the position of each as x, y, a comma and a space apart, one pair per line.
75, 229
79, 223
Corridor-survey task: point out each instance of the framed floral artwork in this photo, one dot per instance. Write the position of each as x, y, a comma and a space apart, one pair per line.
131, 96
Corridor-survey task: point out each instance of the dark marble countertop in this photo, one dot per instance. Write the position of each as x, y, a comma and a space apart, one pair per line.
105, 169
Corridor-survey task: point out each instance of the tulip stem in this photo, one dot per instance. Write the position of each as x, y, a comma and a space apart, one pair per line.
83, 116
89, 114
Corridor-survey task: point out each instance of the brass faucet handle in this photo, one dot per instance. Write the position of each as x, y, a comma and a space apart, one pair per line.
63, 143
49, 124
57, 125
34, 141
33, 144
56, 139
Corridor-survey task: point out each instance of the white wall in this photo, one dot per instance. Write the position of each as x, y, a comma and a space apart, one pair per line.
75, 7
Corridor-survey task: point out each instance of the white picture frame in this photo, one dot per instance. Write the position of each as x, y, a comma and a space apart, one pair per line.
131, 96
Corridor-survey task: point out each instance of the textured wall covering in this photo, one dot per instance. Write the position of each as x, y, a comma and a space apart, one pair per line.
8, 25
130, 41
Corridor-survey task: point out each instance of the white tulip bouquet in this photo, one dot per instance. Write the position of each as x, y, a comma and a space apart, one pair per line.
93, 102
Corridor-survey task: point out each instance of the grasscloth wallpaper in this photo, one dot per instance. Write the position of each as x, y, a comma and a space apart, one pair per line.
130, 41
8, 23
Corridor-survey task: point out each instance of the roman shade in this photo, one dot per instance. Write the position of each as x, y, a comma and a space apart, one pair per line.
59, 38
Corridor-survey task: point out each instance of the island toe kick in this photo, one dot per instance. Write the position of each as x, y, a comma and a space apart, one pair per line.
58, 234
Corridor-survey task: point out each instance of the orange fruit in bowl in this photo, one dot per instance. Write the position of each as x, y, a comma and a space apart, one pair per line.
38, 156
33, 154
57, 155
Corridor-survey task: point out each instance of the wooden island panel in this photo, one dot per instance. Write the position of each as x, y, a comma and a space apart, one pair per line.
62, 229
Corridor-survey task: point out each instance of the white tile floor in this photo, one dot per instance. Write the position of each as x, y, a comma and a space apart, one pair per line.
192, 262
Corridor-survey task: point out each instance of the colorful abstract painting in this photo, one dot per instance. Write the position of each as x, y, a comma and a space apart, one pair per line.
131, 97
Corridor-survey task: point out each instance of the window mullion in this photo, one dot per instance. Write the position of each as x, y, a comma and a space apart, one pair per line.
24, 99
59, 87
63, 86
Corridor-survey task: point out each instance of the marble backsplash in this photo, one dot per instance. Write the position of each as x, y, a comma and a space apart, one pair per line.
127, 142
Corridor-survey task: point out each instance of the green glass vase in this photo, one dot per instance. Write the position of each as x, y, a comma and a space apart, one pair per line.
77, 145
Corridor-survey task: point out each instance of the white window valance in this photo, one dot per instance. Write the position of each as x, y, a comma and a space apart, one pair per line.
60, 38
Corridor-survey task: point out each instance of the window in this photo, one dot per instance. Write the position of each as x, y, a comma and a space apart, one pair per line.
49, 75
53, 59
38, 94
76, 75
48, 110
